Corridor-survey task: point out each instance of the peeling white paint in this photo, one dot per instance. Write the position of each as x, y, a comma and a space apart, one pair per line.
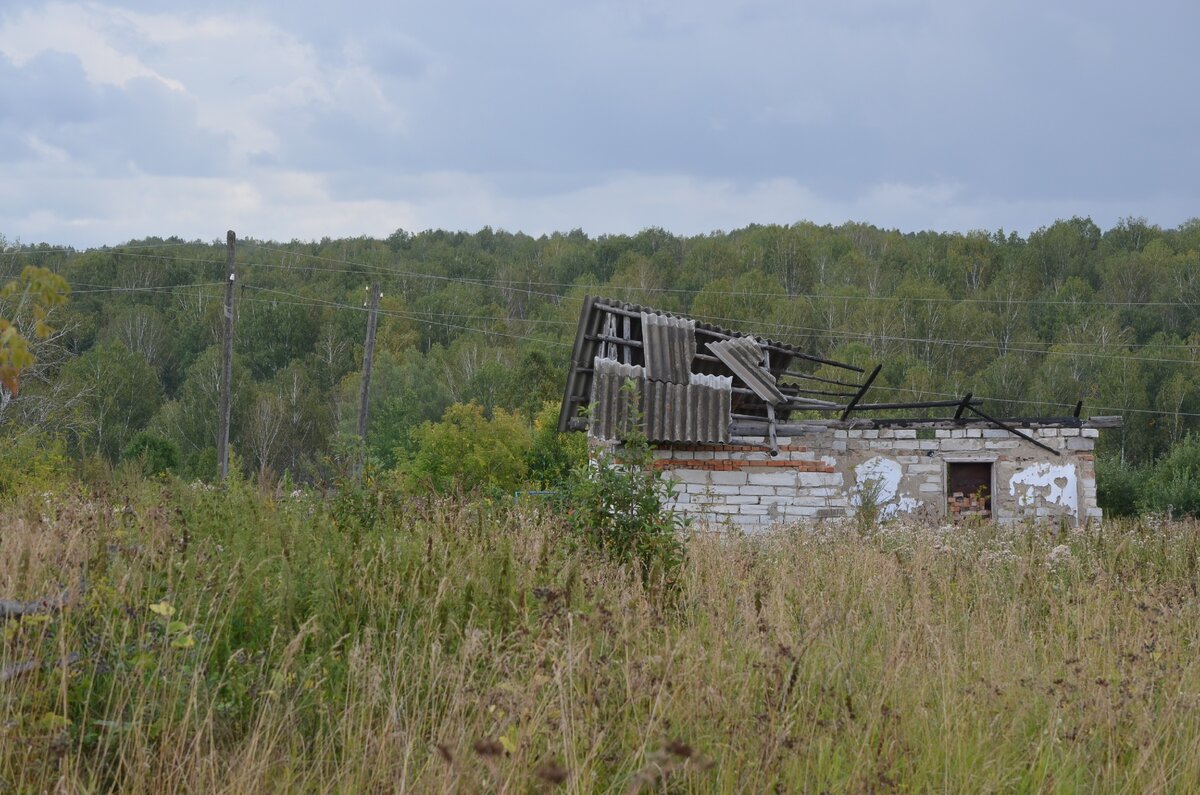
883, 474
1056, 485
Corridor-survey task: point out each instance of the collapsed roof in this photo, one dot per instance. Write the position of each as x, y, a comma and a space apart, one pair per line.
685, 381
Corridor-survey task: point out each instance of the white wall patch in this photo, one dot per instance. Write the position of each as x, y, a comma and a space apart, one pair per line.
1056, 484
883, 475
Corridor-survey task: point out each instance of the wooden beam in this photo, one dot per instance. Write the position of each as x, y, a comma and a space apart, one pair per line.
962, 406
862, 391
1014, 431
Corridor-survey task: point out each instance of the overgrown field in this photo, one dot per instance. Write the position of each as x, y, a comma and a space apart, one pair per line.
231, 641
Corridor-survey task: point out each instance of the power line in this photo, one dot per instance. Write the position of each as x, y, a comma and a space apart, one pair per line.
523, 285
982, 344
97, 288
1039, 402
395, 313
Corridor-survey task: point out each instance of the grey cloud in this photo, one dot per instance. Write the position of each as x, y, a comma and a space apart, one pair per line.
142, 125
1015, 106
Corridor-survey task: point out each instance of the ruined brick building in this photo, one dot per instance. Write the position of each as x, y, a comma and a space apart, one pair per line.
758, 433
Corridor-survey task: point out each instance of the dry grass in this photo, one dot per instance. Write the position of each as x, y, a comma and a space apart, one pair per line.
366, 646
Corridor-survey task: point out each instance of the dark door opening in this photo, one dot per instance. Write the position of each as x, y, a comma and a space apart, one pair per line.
969, 489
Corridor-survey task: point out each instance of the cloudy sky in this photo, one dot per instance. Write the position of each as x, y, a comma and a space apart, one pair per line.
121, 119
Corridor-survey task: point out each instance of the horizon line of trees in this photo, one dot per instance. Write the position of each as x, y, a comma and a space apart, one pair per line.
1032, 324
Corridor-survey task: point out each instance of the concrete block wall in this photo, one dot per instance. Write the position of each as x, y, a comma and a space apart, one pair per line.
823, 474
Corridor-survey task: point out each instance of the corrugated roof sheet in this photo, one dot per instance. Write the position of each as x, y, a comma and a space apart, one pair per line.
744, 357
668, 345
612, 404
690, 412
695, 412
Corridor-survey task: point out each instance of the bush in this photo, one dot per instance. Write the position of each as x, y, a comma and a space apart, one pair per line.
466, 451
155, 454
31, 462
616, 504
553, 455
1119, 486
1173, 484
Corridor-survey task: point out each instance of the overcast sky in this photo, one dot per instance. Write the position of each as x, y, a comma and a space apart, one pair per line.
301, 119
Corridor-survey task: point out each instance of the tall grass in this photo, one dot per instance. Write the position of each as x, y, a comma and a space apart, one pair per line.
231, 641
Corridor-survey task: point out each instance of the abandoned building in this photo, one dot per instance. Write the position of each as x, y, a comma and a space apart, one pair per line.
757, 433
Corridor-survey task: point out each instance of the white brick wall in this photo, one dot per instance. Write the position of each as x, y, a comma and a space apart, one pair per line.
752, 490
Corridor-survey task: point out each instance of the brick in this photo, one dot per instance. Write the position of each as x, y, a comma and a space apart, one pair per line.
906, 433
1001, 444
809, 479
729, 478
757, 490
772, 478
739, 499
1070, 432
822, 492
1080, 444
1090, 433
974, 433
963, 445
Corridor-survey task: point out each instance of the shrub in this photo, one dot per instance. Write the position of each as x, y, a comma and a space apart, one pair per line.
155, 454
1173, 484
553, 455
31, 462
467, 451
1119, 486
617, 504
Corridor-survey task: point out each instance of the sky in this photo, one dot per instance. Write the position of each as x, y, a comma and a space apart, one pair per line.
300, 120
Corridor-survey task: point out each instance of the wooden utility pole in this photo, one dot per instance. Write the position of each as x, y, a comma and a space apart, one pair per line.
368, 356
226, 362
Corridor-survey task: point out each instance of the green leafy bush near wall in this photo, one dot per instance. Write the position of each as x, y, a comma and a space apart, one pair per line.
618, 504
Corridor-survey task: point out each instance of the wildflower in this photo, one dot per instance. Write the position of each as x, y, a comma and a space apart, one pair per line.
1060, 555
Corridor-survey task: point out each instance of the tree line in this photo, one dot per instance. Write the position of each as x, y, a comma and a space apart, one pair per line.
477, 328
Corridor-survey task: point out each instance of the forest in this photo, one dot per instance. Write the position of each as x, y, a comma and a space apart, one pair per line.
475, 334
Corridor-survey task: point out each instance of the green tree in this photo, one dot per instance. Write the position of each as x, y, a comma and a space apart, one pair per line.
467, 452
118, 394
31, 296
191, 418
